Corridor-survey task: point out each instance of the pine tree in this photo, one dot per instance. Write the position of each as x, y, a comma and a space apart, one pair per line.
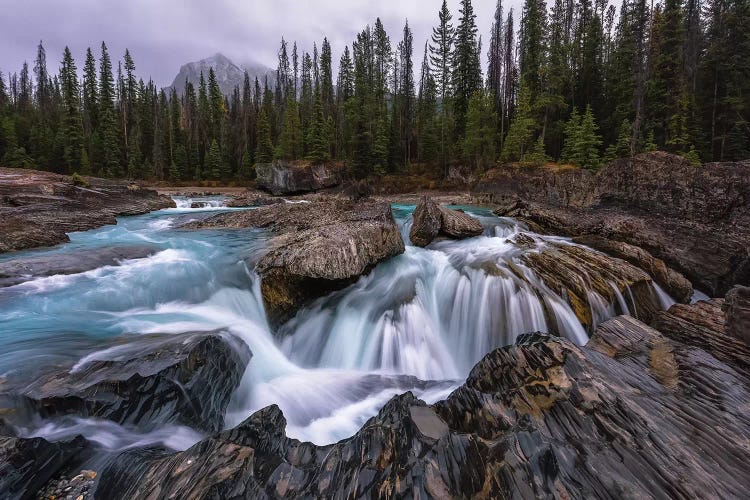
319, 137
480, 141
466, 70
213, 161
110, 153
72, 125
521, 132
582, 140
264, 151
441, 57
290, 140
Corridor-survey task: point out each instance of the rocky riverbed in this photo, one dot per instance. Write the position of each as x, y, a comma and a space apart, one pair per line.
588, 380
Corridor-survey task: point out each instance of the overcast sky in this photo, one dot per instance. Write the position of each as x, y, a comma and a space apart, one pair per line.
164, 34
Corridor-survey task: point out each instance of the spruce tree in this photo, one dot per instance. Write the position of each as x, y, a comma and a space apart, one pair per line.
213, 161
72, 125
264, 151
110, 152
466, 69
318, 140
521, 132
290, 140
480, 140
441, 58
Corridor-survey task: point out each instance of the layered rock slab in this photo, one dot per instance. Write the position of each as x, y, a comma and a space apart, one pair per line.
38, 208
147, 381
282, 177
633, 414
314, 248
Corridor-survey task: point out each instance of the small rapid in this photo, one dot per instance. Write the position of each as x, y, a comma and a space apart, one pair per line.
418, 322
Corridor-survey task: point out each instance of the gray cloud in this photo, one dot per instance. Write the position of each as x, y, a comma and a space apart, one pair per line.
162, 35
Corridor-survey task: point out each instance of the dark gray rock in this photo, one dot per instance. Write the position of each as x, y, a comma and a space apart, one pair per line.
13, 272
27, 464
737, 307
147, 381
282, 177
633, 414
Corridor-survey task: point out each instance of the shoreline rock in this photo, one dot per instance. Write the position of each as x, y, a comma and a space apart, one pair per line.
282, 177
634, 413
38, 208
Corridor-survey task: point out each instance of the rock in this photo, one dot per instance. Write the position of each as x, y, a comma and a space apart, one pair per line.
282, 177
77, 487
694, 218
737, 308
27, 464
315, 248
704, 325
581, 275
253, 201
673, 282
15, 271
427, 221
147, 381
634, 414
431, 221
39, 208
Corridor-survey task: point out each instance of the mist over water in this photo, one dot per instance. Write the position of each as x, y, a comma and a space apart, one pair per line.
418, 322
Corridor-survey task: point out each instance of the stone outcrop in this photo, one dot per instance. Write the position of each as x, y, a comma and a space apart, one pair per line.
39, 208
634, 414
27, 464
578, 273
315, 248
283, 177
147, 381
696, 219
431, 221
673, 282
15, 271
737, 308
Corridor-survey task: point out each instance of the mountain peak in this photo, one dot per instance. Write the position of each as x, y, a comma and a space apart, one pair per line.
228, 74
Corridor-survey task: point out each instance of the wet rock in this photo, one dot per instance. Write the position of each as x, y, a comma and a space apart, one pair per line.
704, 325
633, 414
694, 218
737, 308
77, 487
147, 381
427, 221
27, 464
431, 220
591, 281
674, 283
253, 201
39, 208
315, 248
15, 271
283, 177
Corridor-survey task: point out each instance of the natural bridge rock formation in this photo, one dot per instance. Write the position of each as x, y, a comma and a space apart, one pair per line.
315, 248
635, 413
694, 218
39, 208
283, 177
431, 221
148, 381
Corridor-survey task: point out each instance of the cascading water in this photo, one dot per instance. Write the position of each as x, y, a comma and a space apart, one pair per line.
418, 322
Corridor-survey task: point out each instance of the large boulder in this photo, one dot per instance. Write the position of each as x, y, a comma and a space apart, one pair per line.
315, 248
40, 208
632, 414
147, 381
283, 177
431, 221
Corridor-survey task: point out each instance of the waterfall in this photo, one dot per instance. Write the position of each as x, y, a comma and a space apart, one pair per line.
418, 322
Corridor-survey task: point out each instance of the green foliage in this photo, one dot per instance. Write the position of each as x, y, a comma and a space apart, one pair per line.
264, 152
621, 148
582, 140
290, 140
214, 161
318, 138
78, 180
480, 142
521, 131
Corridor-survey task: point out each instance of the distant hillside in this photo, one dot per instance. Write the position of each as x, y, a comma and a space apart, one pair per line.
228, 74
